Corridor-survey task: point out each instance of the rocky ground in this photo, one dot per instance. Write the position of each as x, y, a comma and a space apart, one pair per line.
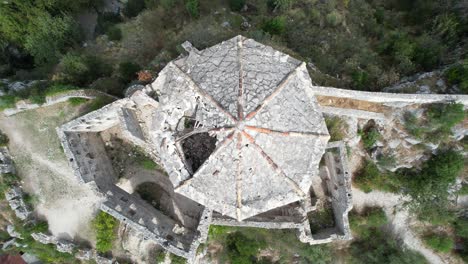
36, 150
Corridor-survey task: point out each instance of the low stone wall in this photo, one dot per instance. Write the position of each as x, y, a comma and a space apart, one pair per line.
352, 113
23, 105
390, 98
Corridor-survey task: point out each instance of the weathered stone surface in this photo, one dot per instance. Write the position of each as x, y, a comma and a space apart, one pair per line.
267, 136
12, 232
103, 260
14, 196
6, 164
65, 246
44, 238
84, 254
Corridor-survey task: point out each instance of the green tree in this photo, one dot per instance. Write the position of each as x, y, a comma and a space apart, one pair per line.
128, 70
236, 5
193, 7
105, 226
50, 37
275, 26
241, 249
133, 8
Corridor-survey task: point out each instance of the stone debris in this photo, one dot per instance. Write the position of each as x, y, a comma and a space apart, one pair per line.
84, 254
239, 108
6, 164
44, 238
65, 246
12, 232
14, 196
104, 260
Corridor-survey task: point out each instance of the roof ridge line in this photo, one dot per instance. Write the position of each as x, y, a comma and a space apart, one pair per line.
278, 89
240, 93
284, 133
275, 166
215, 103
221, 145
239, 177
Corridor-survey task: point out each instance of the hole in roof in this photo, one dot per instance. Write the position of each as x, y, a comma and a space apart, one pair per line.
197, 148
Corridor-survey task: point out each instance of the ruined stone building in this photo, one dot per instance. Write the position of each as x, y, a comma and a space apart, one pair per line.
240, 140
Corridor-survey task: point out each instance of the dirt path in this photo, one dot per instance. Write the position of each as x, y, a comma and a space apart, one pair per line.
399, 219
34, 145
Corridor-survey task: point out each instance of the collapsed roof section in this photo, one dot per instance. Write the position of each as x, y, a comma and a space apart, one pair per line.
259, 104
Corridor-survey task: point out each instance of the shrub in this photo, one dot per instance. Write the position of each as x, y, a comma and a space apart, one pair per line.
168, 4
458, 75
334, 18
99, 102
439, 242
49, 37
236, 5
192, 7
177, 260
128, 71
7, 101
445, 116
3, 139
372, 244
109, 85
369, 137
107, 20
105, 226
428, 186
75, 101
275, 26
281, 4
360, 79
369, 178
336, 127
241, 249
81, 70
133, 8
114, 33
8, 180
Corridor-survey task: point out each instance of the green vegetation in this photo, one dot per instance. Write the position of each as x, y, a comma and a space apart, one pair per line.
458, 75
99, 102
439, 242
177, 260
114, 33
439, 120
7, 180
3, 139
369, 137
461, 232
77, 101
81, 70
463, 190
428, 186
105, 226
275, 26
337, 128
236, 5
241, 245
7, 101
369, 178
321, 219
128, 71
46, 253
371, 244
133, 8
192, 7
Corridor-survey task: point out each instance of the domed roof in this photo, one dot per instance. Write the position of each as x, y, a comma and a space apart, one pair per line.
270, 133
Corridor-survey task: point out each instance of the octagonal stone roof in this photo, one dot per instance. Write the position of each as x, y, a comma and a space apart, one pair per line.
259, 104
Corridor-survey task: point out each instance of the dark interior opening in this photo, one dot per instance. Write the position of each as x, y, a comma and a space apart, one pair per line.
197, 148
